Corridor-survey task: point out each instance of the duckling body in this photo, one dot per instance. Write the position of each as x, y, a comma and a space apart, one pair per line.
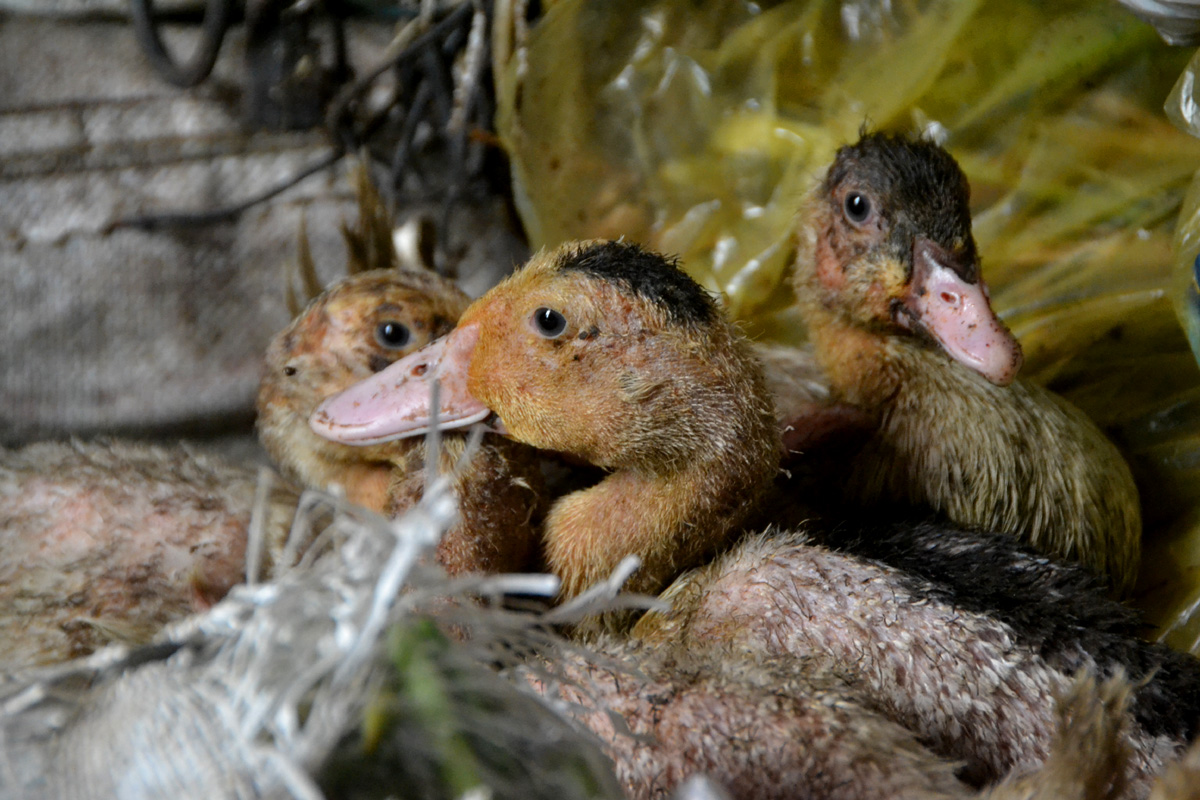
771, 727
1032, 465
500, 498
759, 728
899, 318
352, 331
976, 680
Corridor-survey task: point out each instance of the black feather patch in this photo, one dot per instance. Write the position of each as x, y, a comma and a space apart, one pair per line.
651, 276
915, 181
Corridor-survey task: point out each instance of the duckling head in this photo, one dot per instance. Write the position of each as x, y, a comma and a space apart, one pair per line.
887, 249
352, 331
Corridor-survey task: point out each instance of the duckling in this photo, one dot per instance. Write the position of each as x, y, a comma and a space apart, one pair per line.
605, 352
971, 682
773, 728
888, 278
356, 329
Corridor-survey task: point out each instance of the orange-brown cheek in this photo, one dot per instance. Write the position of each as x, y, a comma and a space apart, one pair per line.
499, 378
829, 269
496, 370
524, 386
878, 302
484, 385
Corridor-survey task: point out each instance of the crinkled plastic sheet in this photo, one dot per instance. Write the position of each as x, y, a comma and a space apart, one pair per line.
1183, 107
1177, 21
696, 128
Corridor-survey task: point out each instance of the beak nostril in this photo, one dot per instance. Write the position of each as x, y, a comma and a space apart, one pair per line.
419, 370
950, 298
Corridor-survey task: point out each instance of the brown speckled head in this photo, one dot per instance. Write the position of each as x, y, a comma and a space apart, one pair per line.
355, 329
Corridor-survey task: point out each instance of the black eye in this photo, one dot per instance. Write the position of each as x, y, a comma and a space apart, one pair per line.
858, 207
392, 334
549, 323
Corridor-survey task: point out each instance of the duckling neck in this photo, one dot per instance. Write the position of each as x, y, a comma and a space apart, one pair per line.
863, 368
671, 521
499, 494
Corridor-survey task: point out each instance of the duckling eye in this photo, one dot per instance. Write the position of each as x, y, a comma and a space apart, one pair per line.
858, 208
392, 334
549, 323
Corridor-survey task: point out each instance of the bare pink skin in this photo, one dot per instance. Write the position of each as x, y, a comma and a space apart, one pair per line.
396, 403
959, 316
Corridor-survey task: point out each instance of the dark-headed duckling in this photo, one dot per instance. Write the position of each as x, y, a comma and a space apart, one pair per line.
888, 278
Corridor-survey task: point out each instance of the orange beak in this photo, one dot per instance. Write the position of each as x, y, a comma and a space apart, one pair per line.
397, 402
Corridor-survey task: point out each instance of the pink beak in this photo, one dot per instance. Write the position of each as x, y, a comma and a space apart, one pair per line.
396, 403
958, 315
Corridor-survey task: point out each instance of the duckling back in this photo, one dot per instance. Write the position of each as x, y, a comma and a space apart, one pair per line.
108, 541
